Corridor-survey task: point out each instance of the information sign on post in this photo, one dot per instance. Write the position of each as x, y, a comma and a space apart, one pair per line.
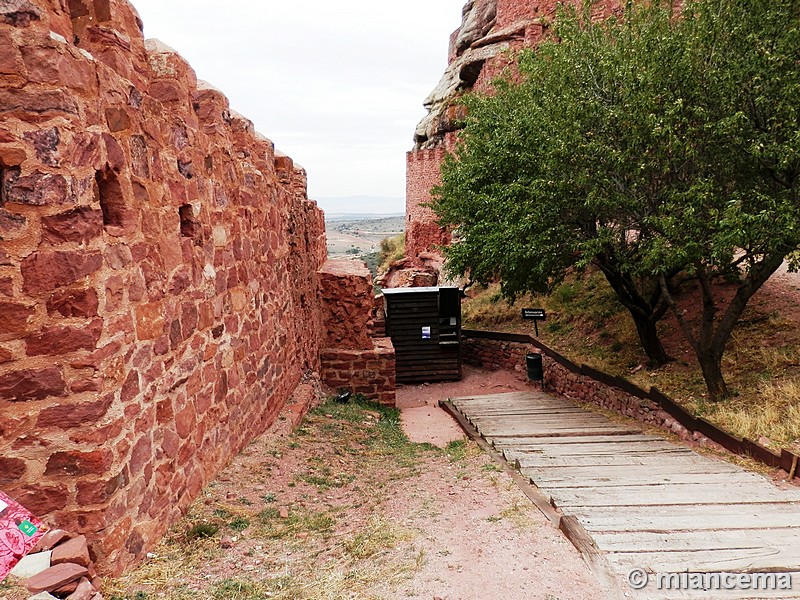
535, 315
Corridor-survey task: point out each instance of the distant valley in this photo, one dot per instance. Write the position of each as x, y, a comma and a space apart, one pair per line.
354, 235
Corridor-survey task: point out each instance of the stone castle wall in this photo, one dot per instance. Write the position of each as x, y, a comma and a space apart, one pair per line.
422, 174
158, 275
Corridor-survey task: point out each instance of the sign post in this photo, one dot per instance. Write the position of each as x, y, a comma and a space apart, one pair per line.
535, 315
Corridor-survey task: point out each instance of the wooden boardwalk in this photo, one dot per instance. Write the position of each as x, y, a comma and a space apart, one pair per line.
646, 503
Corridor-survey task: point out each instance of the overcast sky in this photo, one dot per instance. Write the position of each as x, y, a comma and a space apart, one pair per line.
336, 85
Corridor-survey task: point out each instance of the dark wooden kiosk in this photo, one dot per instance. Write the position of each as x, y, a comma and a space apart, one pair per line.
425, 327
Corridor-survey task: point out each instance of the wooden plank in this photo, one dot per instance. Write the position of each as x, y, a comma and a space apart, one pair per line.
602, 449
575, 422
530, 431
500, 402
689, 517
617, 472
533, 395
542, 419
632, 459
757, 560
561, 432
687, 511
661, 494
511, 404
522, 442
518, 408
646, 541
644, 477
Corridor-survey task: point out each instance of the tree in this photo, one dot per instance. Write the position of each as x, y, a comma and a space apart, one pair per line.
651, 146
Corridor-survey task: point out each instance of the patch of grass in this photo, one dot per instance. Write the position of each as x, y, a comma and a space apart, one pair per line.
518, 515
487, 308
232, 589
391, 249
298, 521
201, 531
375, 427
778, 413
373, 539
239, 524
456, 450
326, 481
269, 498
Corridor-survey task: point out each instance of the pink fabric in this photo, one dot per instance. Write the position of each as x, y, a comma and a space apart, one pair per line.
19, 533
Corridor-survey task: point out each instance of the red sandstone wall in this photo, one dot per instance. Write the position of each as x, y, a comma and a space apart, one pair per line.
422, 174
347, 294
352, 358
158, 293
370, 372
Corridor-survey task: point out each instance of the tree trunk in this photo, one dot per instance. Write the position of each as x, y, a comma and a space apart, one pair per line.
709, 345
711, 366
645, 313
648, 338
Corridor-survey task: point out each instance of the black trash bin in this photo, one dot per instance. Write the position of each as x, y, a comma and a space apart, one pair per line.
535, 370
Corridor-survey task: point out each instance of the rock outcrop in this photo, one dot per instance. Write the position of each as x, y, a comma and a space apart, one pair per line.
492, 32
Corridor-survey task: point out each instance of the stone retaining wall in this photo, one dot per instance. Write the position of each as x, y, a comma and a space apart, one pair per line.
352, 359
370, 372
495, 354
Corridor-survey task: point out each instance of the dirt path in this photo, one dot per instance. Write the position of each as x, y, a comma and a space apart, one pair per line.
424, 422
346, 507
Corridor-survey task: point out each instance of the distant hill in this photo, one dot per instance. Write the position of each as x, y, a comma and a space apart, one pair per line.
331, 217
362, 205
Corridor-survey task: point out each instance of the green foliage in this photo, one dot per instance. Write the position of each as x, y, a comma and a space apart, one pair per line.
649, 146
239, 524
373, 260
392, 249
